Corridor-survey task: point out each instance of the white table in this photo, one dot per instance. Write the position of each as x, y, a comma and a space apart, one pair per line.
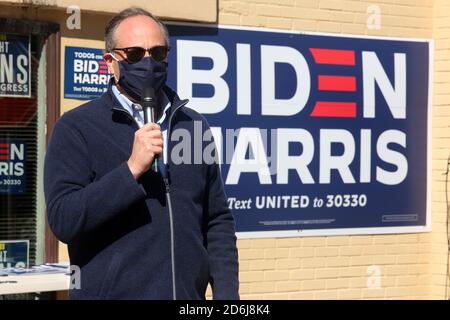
34, 283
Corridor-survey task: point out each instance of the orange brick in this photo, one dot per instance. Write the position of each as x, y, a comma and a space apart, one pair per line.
301, 296
262, 264
262, 287
338, 261
337, 284
362, 240
313, 285
276, 296
276, 275
288, 242
313, 262
325, 295
338, 241
331, 273
301, 252
276, 253
249, 254
350, 294
373, 293
288, 286
287, 263
327, 252
301, 274
251, 276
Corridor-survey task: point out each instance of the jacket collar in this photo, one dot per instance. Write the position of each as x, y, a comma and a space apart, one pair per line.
114, 105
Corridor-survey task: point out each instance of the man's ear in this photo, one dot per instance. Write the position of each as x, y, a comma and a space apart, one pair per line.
107, 57
109, 60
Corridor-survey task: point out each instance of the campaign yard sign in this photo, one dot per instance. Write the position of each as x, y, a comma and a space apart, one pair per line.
14, 253
86, 74
12, 166
318, 134
15, 61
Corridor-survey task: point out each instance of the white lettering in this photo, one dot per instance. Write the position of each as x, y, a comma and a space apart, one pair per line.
340, 163
187, 51
299, 163
393, 157
249, 137
395, 96
270, 55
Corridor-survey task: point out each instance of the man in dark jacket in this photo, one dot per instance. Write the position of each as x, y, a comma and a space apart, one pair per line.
134, 232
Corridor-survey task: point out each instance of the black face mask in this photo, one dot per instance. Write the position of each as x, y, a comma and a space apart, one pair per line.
133, 76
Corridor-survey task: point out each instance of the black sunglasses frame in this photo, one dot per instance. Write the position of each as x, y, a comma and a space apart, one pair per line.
141, 53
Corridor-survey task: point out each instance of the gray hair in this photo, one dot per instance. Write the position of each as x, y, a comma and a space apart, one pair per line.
110, 30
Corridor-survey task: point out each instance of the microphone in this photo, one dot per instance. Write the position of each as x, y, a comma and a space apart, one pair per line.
149, 104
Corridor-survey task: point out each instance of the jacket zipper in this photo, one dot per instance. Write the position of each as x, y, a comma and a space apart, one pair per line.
167, 187
169, 129
169, 201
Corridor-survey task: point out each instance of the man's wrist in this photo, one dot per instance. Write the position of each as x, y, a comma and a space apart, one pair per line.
136, 173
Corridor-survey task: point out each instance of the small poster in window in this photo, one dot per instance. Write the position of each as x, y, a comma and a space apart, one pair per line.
15, 67
12, 166
14, 254
86, 74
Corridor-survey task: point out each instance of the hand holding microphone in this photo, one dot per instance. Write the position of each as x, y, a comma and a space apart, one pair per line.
148, 144
148, 140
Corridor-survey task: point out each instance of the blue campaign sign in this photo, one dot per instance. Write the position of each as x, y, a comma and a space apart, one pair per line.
12, 166
14, 254
86, 74
15, 74
317, 134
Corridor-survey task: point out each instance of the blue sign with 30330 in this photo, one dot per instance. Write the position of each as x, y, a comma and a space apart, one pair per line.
318, 134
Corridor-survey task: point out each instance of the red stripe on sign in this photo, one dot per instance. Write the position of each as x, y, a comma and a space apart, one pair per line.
334, 109
4, 157
333, 56
337, 83
4, 151
102, 71
4, 145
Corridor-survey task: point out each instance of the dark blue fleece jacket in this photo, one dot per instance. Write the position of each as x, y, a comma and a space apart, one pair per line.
118, 229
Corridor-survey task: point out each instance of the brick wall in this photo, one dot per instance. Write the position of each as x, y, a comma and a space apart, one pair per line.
441, 146
410, 266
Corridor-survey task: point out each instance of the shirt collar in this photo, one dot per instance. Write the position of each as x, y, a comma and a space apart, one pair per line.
127, 104
166, 103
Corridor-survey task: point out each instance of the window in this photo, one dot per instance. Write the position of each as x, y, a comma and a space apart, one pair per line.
29, 65
22, 132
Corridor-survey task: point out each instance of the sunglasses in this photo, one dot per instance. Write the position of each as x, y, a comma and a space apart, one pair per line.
135, 54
